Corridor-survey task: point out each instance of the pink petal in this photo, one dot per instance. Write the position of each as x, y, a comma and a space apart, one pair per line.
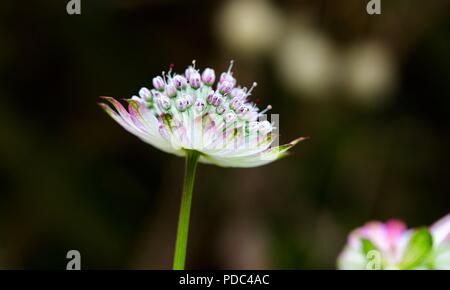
394, 231
118, 118
120, 109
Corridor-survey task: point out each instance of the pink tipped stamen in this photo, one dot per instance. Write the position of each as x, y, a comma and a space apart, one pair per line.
171, 66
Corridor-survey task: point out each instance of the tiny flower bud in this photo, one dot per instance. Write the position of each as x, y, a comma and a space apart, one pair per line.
145, 94
171, 90
227, 77
208, 76
225, 87
235, 104
158, 83
210, 96
188, 72
164, 103
180, 82
199, 105
195, 80
218, 102
216, 99
181, 104
156, 94
189, 100
242, 111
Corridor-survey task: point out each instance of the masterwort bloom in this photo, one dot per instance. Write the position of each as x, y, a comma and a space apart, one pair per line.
187, 112
187, 115
391, 245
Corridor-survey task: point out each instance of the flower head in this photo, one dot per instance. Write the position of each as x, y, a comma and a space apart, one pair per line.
388, 238
187, 112
391, 245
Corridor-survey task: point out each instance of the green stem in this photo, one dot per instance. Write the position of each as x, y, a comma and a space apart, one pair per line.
185, 210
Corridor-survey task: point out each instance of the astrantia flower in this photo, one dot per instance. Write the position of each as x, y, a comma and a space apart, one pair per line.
187, 115
391, 245
187, 112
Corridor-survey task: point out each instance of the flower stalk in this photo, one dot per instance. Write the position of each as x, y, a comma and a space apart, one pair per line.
185, 210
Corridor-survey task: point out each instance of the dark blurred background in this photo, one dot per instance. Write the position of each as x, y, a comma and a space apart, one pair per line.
371, 92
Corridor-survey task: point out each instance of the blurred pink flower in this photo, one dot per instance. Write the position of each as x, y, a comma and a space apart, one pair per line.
391, 245
389, 238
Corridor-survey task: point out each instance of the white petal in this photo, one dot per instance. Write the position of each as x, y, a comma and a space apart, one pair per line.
441, 231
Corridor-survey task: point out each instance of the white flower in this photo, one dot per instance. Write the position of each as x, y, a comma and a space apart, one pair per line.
307, 62
369, 73
187, 113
